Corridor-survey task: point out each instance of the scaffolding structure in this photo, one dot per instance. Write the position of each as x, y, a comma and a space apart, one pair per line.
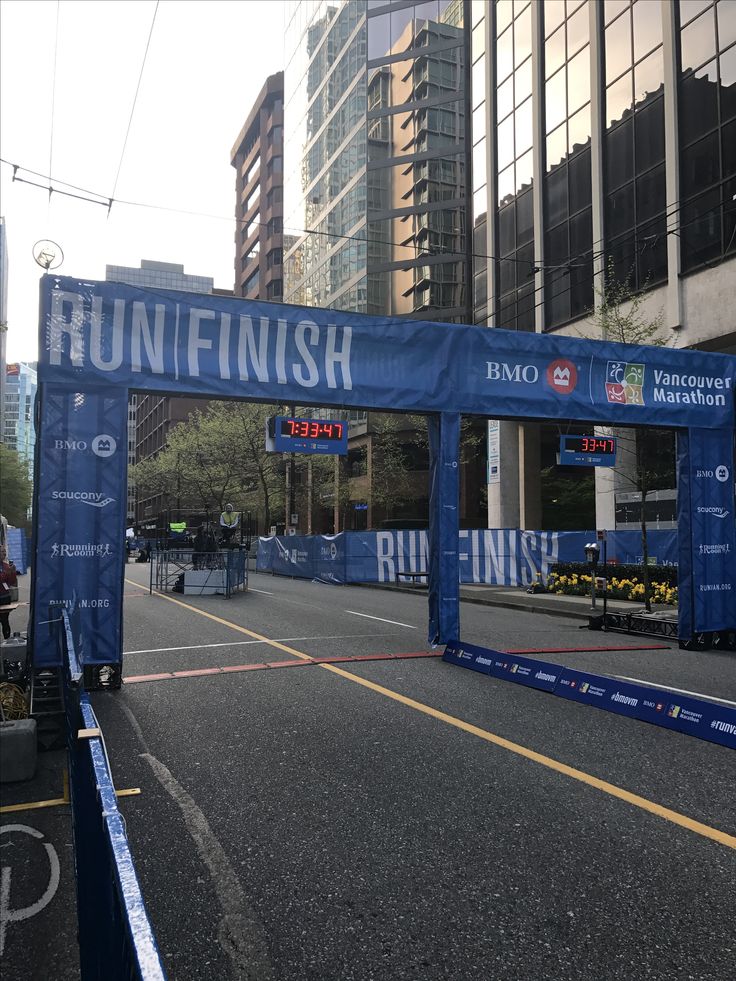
185, 570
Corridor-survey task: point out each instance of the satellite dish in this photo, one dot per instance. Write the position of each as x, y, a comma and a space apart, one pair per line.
48, 254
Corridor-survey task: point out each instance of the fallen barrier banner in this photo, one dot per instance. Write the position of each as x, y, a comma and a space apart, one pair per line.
699, 717
490, 556
526, 671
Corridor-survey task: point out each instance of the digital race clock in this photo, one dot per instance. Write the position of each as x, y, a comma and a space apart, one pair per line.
587, 451
292, 434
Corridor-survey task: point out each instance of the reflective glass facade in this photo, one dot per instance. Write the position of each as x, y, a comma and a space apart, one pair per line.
574, 104
707, 82
634, 181
568, 221
514, 169
375, 158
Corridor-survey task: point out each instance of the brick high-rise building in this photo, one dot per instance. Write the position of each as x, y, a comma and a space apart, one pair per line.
257, 156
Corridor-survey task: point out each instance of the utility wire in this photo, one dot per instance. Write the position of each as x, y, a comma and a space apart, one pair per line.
566, 265
53, 97
132, 109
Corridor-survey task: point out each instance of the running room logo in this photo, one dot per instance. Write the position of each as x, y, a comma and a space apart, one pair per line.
104, 445
562, 376
625, 383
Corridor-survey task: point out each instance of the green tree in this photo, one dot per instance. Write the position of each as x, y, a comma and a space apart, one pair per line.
217, 457
621, 316
15, 486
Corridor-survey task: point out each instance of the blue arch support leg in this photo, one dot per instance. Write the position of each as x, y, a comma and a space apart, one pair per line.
444, 527
706, 531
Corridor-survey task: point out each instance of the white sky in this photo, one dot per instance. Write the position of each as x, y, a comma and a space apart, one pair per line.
206, 63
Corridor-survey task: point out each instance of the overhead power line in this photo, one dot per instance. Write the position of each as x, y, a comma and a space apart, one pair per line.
564, 265
132, 108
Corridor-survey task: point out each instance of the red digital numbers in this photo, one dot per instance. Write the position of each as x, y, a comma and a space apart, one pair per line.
311, 429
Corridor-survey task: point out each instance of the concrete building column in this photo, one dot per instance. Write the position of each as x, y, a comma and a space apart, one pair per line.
503, 496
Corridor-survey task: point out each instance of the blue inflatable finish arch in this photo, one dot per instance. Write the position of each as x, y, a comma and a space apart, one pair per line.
98, 340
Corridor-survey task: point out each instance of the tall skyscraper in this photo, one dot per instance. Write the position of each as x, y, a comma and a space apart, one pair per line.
3, 320
258, 158
604, 149
376, 176
19, 432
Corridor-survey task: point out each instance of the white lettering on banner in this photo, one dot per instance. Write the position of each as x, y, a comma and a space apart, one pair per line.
281, 352
70, 444
520, 373
716, 512
341, 357
483, 660
385, 556
714, 549
546, 676
59, 325
697, 388
93, 498
140, 331
89, 550
727, 727
312, 377
197, 343
113, 332
247, 347
83, 604
715, 587
262, 352
225, 345
625, 699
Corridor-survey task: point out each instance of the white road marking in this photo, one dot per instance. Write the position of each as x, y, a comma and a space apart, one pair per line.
680, 691
396, 623
264, 591
8, 915
244, 643
240, 934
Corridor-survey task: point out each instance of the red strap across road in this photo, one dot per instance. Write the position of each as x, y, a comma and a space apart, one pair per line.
269, 665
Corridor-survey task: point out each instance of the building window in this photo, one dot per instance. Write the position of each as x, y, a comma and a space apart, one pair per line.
274, 196
707, 121
275, 165
275, 289
514, 138
252, 199
634, 171
275, 226
252, 171
251, 284
253, 225
277, 134
274, 258
568, 221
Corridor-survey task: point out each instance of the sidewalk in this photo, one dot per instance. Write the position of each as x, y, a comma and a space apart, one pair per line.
517, 598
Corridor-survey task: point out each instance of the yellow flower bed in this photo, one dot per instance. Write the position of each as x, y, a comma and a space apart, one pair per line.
626, 589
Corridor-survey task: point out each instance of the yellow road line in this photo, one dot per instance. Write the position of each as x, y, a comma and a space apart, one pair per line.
57, 802
674, 817
234, 626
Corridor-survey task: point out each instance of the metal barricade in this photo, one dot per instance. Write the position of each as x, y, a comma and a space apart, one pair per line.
116, 940
188, 571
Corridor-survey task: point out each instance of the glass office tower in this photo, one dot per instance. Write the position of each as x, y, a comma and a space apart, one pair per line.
604, 149
376, 169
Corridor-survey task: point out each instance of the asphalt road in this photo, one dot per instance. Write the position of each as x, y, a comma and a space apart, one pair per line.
384, 820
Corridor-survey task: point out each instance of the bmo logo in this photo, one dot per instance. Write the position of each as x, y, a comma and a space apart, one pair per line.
104, 445
522, 374
562, 376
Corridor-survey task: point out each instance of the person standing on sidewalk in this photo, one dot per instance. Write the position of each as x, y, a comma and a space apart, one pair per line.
8, 581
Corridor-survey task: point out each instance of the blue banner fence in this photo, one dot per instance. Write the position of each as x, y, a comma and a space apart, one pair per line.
714, 722
497, 557
116, 940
